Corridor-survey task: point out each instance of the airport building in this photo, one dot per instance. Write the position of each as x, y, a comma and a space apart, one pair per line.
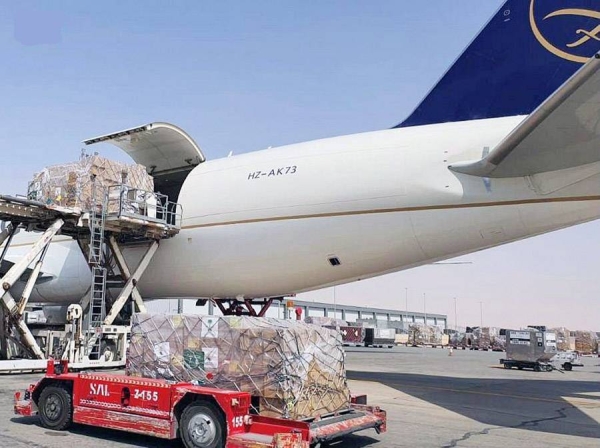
284, 309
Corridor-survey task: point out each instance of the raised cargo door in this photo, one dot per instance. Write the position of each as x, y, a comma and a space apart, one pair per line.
167, 152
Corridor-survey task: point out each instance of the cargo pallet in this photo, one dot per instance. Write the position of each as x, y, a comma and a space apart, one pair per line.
202, 417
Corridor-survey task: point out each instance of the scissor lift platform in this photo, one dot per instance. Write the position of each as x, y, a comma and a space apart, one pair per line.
122, 223
37, 216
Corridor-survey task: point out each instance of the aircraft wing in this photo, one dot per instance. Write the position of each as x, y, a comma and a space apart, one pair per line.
563, 132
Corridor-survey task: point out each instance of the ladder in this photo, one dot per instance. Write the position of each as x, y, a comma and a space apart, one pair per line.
96, 225
97, 310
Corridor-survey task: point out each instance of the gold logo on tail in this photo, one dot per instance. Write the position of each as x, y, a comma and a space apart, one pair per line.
585, 35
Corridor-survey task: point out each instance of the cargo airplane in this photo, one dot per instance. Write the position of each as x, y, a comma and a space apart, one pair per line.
505, 146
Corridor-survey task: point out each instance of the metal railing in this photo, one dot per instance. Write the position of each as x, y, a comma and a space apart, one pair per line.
125, 201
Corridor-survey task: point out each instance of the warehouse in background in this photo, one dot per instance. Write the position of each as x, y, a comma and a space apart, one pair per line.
377, 317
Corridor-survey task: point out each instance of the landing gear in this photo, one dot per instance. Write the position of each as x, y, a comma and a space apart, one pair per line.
244, 307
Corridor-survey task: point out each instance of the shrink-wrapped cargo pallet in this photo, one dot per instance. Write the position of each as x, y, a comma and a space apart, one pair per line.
586, 342
295, 370
499, 343
457, 339
487, 338
420, 334
70, 184
563, 340
481, 338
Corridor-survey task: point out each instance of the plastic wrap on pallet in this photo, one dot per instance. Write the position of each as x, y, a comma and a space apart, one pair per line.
563, 339
586, 342
487, 338
499, 343
295, 369
421, 334
70, 184
481, 338
457, 339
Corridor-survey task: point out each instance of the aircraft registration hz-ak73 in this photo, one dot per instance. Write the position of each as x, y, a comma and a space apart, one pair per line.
505, 146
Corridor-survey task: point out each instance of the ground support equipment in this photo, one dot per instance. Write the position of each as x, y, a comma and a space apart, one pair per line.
567, 360
244, 306
534, 365
89, 337
201, 417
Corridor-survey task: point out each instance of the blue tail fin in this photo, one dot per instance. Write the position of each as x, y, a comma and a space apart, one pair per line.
525, 52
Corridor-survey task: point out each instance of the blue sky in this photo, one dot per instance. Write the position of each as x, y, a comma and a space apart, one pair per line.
242, 76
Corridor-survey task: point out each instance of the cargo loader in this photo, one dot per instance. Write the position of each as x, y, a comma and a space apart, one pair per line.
201, 417
94, 332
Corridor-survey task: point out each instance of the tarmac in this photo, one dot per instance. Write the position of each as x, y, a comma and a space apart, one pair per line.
432, 400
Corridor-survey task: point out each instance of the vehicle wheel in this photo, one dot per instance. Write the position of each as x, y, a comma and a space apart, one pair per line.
520, 367
548, 368
537, 368
202, 426
568, 366
507, 366
55, 407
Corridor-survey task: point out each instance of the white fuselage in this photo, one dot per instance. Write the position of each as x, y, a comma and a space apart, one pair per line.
266, 223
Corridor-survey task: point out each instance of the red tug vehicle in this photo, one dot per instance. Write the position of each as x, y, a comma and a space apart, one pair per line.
202, 417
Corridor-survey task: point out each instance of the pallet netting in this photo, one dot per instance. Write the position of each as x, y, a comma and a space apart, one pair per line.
70, 184
295, 370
